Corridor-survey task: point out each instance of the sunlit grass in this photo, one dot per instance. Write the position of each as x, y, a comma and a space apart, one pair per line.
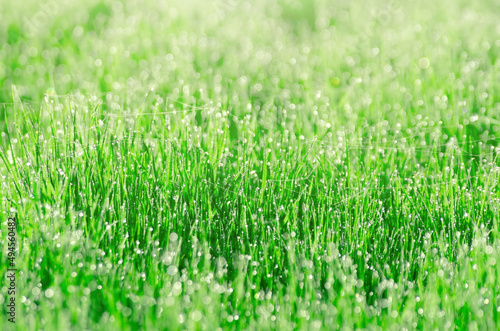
265, 165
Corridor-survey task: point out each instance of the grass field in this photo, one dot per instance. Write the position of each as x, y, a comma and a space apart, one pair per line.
260, 165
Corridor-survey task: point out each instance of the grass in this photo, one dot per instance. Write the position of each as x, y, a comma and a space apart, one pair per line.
280, 164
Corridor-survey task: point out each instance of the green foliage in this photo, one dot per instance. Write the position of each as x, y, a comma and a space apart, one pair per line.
252, 165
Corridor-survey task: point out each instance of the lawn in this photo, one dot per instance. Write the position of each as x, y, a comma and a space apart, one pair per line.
250, 165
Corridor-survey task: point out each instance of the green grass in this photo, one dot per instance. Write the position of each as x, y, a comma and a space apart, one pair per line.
291, 165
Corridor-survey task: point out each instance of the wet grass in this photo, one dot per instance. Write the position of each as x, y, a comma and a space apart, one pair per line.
275, 165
